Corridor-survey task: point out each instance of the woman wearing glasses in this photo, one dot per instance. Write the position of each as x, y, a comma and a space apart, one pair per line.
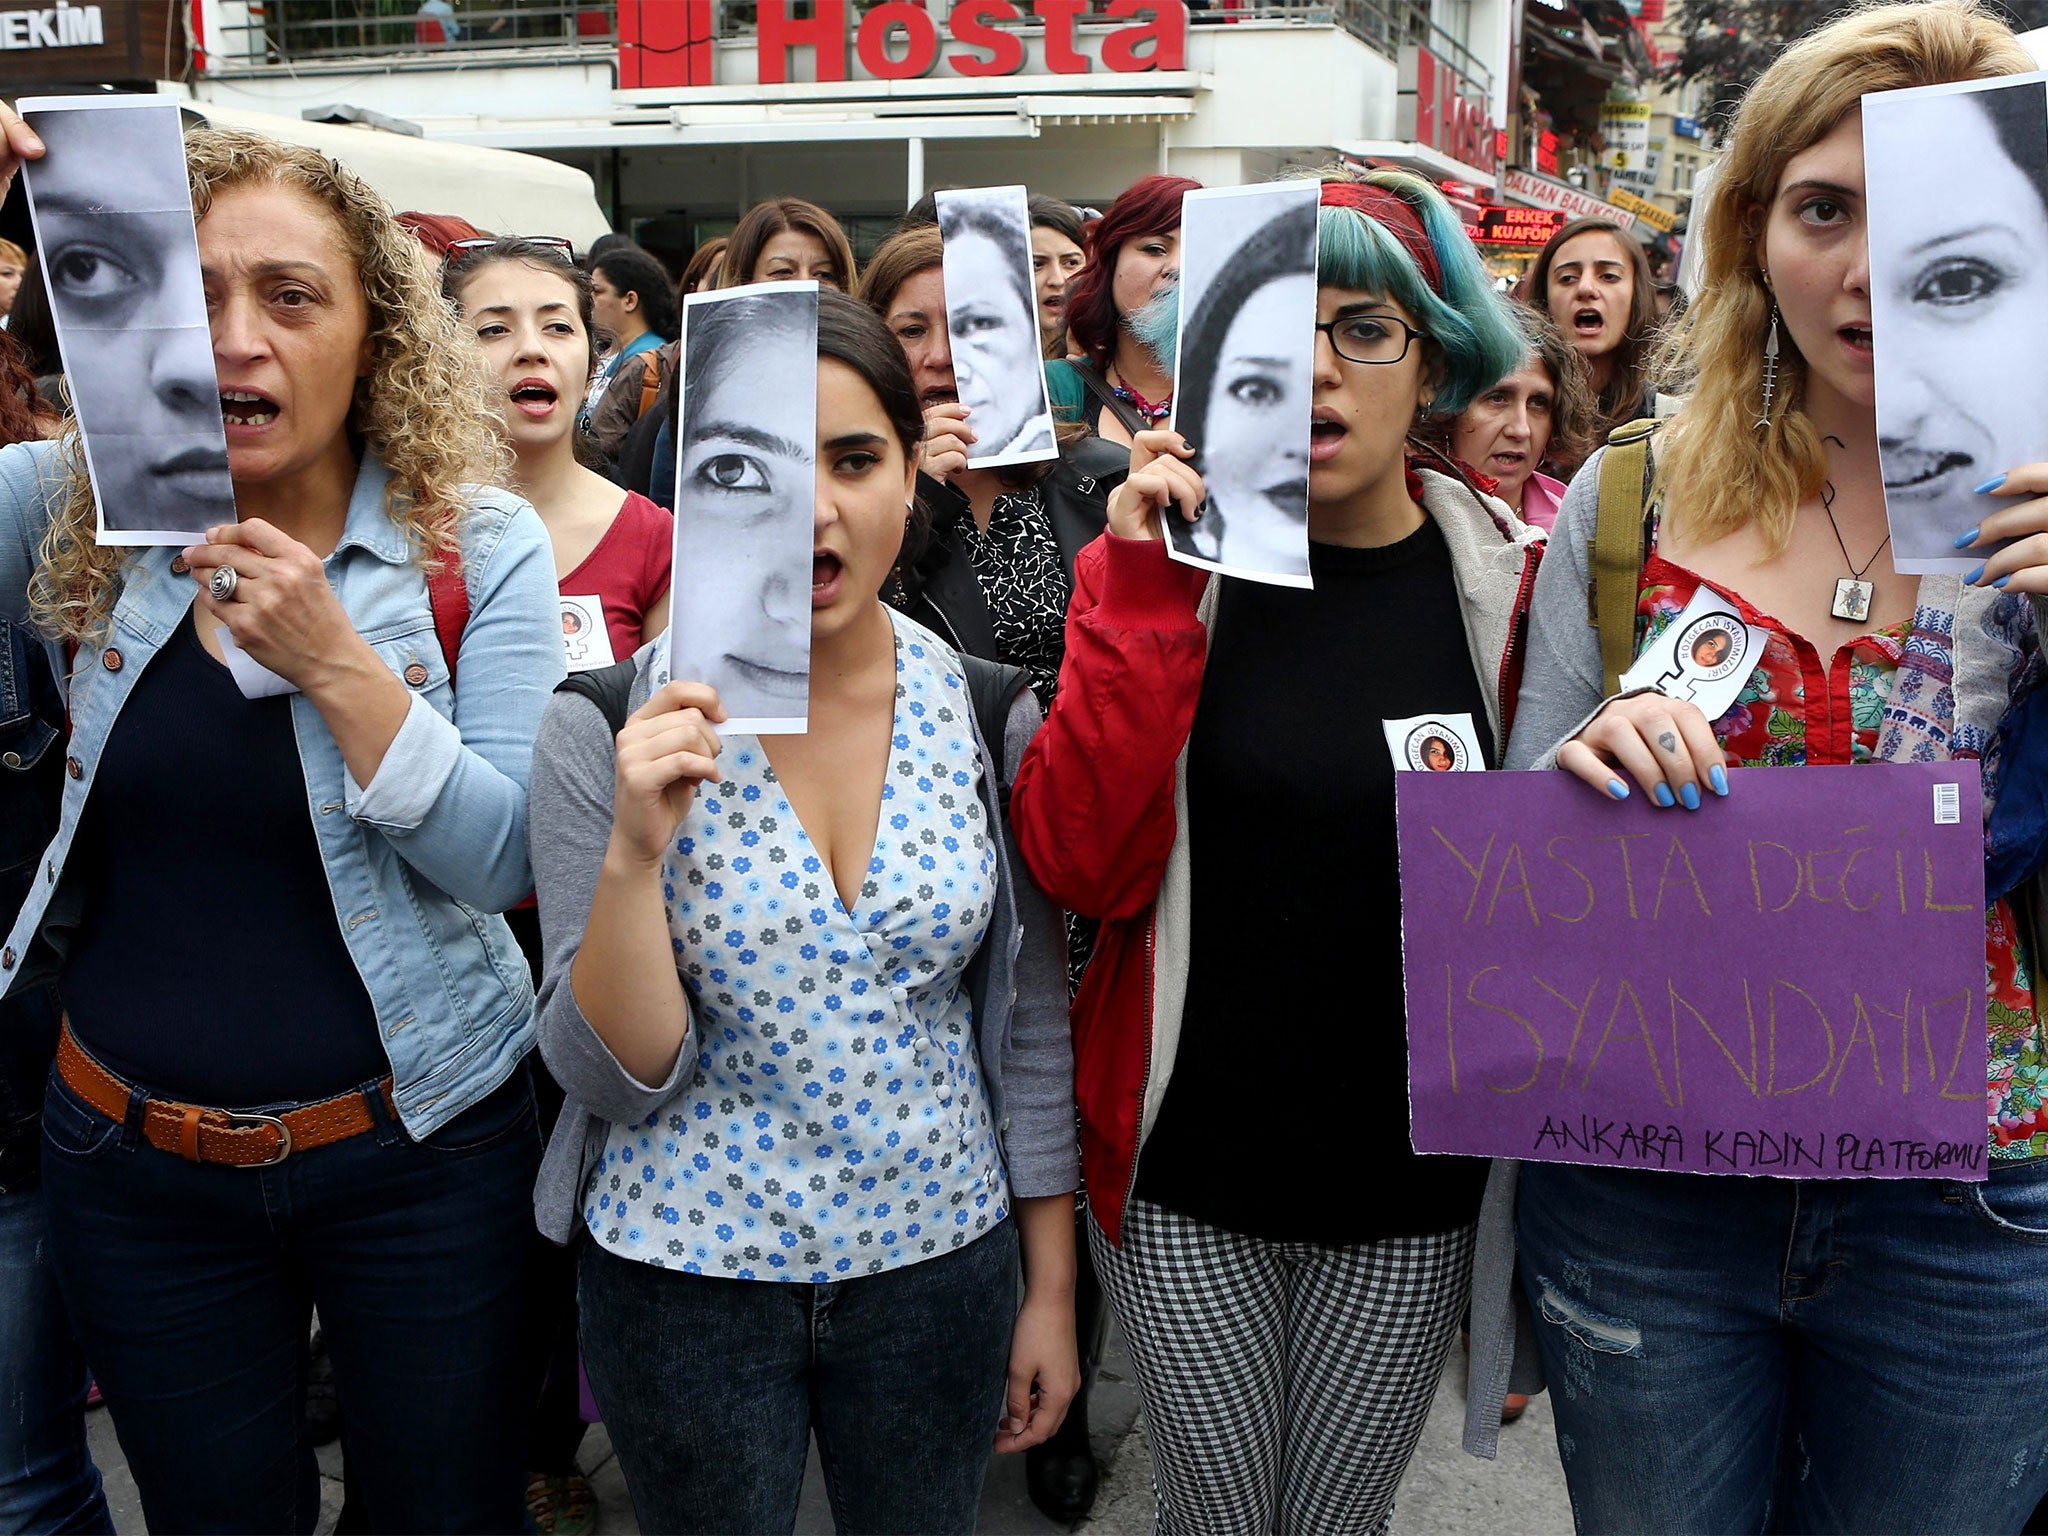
1288, 1325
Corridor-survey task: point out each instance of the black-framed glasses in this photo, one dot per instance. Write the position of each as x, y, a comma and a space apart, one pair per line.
457, 249
1370, 338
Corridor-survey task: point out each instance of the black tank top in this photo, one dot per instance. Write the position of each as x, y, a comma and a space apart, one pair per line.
210, 965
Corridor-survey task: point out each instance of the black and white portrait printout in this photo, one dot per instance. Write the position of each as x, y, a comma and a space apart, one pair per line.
745, 502
1957, 182
992, 325
113, 225
1243, 376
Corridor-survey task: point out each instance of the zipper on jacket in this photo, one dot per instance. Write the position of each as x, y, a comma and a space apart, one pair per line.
1516, 629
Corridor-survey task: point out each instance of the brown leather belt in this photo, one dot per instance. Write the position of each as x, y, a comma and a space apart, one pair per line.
201, 1135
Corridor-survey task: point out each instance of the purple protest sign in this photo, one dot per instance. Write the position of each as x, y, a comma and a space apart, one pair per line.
1790, 981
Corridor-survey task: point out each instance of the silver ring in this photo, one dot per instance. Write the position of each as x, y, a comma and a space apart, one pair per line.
222, 583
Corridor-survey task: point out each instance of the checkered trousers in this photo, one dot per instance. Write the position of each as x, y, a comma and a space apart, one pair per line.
1285, 1384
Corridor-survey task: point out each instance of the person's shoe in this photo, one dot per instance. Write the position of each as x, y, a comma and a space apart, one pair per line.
1513, 1406
561, 1505
1061, 1474
323, 1402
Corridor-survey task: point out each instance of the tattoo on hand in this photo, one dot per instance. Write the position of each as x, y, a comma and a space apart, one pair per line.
1668, 741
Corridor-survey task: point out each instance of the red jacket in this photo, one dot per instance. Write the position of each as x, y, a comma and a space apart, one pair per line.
1098, 802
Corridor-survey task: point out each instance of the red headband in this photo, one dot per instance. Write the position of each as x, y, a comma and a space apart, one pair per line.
1396, 215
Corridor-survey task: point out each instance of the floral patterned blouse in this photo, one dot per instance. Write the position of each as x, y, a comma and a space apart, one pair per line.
1801, 708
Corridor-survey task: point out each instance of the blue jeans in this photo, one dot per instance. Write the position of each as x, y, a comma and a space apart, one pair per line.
711, 1388
1738, 1354
47, 1479
192, 1285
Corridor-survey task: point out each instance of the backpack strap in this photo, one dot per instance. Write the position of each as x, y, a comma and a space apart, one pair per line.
609, 688
993, 686
650, 381
448, 597
1620, 540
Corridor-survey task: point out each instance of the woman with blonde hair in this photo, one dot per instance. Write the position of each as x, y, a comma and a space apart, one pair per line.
291, 1071
1775, 1353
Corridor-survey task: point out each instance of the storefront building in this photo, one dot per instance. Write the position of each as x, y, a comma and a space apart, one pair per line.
687, 111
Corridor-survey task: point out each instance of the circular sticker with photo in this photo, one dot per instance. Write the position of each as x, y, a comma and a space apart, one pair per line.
1713, 647
1433, 747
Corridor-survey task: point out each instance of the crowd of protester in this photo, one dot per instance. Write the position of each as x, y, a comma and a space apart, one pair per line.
570, 1058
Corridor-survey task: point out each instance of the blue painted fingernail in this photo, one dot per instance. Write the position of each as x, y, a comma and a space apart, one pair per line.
1717, 776
1974, 577
1965, 540
1663, 793
1989, 486
2001, 581
1617, 789
1690, 794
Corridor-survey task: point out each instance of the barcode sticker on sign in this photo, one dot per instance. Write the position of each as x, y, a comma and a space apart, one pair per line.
1948, 804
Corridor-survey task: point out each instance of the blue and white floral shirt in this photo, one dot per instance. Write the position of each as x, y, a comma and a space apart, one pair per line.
836, 1124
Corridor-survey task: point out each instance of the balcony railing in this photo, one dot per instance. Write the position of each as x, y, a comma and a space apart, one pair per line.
288, 32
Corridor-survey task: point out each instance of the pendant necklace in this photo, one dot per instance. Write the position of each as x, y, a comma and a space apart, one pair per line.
1153, 413
1852, 592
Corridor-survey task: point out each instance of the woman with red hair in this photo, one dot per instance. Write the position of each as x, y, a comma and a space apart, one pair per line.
1118, 386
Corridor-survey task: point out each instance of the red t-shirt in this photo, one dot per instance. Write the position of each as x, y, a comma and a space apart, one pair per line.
627, 573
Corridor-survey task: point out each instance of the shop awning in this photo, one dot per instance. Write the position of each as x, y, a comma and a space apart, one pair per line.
493, 189
1421, 158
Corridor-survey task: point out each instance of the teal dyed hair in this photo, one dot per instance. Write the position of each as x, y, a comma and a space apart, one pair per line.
1473, 336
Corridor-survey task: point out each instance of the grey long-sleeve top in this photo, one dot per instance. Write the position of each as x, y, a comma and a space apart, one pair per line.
1017, 981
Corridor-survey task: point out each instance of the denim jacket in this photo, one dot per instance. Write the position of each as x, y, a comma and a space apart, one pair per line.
419, 860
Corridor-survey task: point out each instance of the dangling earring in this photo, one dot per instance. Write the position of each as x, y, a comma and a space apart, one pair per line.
1763, 422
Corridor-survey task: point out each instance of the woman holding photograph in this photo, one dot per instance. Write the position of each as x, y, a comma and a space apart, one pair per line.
530, 308
1737, 1353
842, 1092
291, 1073
1288, 1336
1594, 280
1257, 480
1121, 381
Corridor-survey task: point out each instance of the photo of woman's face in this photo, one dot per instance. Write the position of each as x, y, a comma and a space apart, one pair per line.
1962, 325
744, 478
122, 266
1711, 649
1260, 386
1436, 755
995, 341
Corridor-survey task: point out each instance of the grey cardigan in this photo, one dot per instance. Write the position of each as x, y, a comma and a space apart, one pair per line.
1018, 979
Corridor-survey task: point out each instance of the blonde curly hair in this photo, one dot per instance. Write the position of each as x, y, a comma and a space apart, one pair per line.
1725, 474
426, 407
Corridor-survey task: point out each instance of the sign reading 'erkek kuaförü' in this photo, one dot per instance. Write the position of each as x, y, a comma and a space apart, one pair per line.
1788, 982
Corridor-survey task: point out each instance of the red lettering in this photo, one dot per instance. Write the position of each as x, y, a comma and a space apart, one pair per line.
777, 32
1167, 31
973, 23
1061, 57
920, 36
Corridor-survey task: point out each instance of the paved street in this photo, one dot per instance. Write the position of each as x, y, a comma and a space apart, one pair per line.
1447, 1492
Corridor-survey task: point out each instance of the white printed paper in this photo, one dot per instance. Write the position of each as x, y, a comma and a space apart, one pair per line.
586, 639
254, 679
112, 211
1704, 656
1243, 373
1434, 744
992, 325
746, 502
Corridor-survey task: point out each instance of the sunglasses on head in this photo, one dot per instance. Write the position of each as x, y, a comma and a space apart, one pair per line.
457, 249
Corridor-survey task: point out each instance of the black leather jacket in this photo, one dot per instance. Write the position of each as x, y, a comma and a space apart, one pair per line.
939, 588
31, 776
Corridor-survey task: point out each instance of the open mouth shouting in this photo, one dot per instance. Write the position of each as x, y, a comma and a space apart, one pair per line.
828, 575
1588, 321
535, 398
246, 409
1326, 434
